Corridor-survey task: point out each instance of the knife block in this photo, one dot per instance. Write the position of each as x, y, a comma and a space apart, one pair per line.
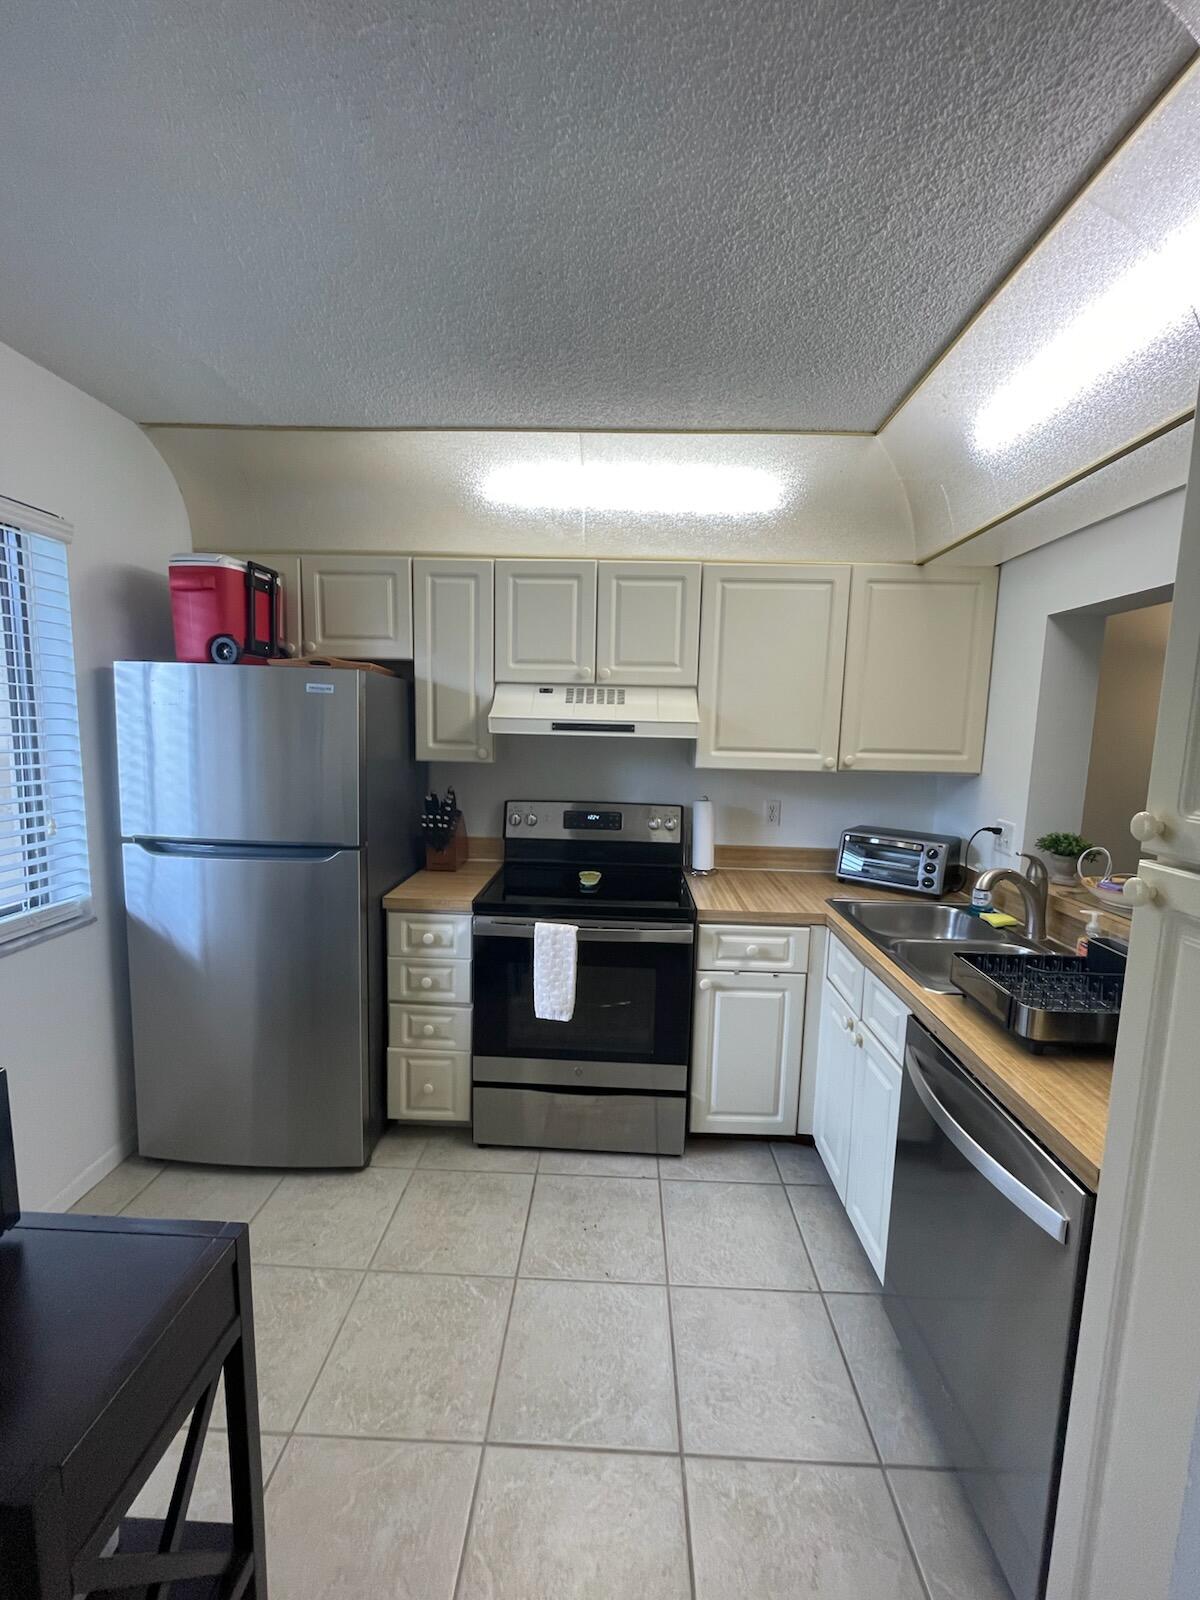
455, 853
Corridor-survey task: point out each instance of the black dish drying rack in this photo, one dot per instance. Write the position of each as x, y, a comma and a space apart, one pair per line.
1047, 999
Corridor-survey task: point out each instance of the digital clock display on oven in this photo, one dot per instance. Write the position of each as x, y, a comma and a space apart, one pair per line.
595, 820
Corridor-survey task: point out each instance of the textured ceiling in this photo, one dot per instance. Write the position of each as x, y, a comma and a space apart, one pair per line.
623, 213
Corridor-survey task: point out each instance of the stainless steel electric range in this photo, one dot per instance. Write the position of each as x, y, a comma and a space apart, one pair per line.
615, 1077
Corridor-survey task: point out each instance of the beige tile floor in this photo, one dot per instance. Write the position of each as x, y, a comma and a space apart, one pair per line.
489, 1375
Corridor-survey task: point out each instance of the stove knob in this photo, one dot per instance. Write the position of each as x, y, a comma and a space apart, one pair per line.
671, 824
530, 820
514, 819
654, 824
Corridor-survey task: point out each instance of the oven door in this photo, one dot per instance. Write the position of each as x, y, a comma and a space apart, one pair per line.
633, 1009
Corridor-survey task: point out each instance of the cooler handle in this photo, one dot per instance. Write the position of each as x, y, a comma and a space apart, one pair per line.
262, 580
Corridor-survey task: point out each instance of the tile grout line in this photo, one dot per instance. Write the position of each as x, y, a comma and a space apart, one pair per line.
683, 1482
487, 1426
887, 1482
350, 1304
391, 1218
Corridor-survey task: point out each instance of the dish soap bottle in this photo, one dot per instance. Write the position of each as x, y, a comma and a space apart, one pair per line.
1094, 930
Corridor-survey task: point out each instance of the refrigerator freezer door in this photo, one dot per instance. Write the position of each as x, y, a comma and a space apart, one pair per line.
249, 1005
262, 755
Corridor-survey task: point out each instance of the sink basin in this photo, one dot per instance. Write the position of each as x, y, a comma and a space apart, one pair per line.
923, 938
929, 960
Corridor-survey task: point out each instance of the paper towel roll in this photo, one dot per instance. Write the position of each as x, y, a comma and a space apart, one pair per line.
702, 836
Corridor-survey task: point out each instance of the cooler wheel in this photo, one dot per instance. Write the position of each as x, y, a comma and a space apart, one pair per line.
224, 649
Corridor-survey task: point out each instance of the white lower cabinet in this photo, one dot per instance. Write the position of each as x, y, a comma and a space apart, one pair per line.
857, 1101
746, 1045
429, 1018
835, 1086
872, 1159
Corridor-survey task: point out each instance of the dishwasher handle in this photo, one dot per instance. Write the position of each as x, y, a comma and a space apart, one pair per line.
1047, 1217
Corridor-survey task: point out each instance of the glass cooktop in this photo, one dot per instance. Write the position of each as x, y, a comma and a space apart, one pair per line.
569, 890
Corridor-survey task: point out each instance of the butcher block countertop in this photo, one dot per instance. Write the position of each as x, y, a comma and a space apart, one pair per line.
441, 891
1061, 1098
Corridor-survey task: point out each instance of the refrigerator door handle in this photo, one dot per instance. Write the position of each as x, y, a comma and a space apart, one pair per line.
1045, 1216
240, 852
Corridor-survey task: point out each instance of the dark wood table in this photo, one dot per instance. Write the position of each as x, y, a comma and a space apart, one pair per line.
113, 1331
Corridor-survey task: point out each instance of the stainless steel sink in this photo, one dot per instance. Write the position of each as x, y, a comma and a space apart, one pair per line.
923, 938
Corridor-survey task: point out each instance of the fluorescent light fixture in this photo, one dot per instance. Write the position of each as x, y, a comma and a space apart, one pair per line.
656, 488
1154, 296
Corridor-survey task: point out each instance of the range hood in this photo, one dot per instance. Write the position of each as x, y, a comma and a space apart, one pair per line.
596, 709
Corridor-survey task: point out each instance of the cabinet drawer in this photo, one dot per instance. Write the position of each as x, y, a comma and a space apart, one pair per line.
431, 938
741, 949
432, 982
426, 1087
845, 972
886, 1015
429, 1027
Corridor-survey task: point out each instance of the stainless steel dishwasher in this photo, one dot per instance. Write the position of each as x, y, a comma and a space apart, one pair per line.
987, 1251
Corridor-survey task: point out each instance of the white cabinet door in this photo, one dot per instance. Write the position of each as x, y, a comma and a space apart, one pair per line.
918, 663
648, 622
746, 1052
1170, 826
545, 621
357, 606
288, 568
772, 650
453, 655
872, 1160
833, 1105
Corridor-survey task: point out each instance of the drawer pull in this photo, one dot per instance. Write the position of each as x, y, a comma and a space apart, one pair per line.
426, 938
427, 1030
426, 1088
427, 983
706, 983
751, 949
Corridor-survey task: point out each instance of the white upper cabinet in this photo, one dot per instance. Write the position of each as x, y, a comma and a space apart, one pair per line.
918, 661
648, 622
357, 606
772, 651
452, 658
1170, 825
545, 621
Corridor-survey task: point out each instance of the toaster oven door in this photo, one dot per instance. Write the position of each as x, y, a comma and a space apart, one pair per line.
886, 860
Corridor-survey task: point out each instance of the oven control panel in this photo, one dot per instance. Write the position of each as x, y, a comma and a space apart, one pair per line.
581, 819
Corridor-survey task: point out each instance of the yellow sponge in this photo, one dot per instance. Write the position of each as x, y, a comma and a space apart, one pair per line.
999, 919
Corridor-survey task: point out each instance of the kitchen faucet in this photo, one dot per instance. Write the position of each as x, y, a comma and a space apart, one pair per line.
1033, 898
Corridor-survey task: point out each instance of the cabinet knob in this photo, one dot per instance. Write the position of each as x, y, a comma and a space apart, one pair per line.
847, 761
427, 1030
1145, 825
1137, 892
858, 1039
849, 1024
483, 752
604, 672
706, 983
427, 983
426, 938
582, 673
751, 949
829, 763
308, 647
426, 1088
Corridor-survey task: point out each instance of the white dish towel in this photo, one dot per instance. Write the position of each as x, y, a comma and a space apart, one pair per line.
554, 952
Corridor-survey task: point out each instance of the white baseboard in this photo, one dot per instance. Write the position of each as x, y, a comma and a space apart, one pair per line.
90, 1176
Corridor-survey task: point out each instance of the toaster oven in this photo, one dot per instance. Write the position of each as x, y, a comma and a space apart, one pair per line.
929, 864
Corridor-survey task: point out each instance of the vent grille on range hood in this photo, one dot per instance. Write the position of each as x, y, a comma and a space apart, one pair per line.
599, 710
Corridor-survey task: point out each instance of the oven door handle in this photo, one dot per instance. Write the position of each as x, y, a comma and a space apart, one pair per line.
616, 933
1047, 1217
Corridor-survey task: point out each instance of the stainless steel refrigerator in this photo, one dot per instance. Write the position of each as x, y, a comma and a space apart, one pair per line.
264, 812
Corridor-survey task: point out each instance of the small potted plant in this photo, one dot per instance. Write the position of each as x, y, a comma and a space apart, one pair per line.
1063, 850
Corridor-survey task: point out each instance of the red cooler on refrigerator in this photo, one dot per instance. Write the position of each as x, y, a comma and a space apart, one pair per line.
224, 610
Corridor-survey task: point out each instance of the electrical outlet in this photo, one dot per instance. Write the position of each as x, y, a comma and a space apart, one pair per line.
772, 813
1004, 845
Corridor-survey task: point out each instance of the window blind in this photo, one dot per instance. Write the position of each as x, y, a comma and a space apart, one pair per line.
44, 875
